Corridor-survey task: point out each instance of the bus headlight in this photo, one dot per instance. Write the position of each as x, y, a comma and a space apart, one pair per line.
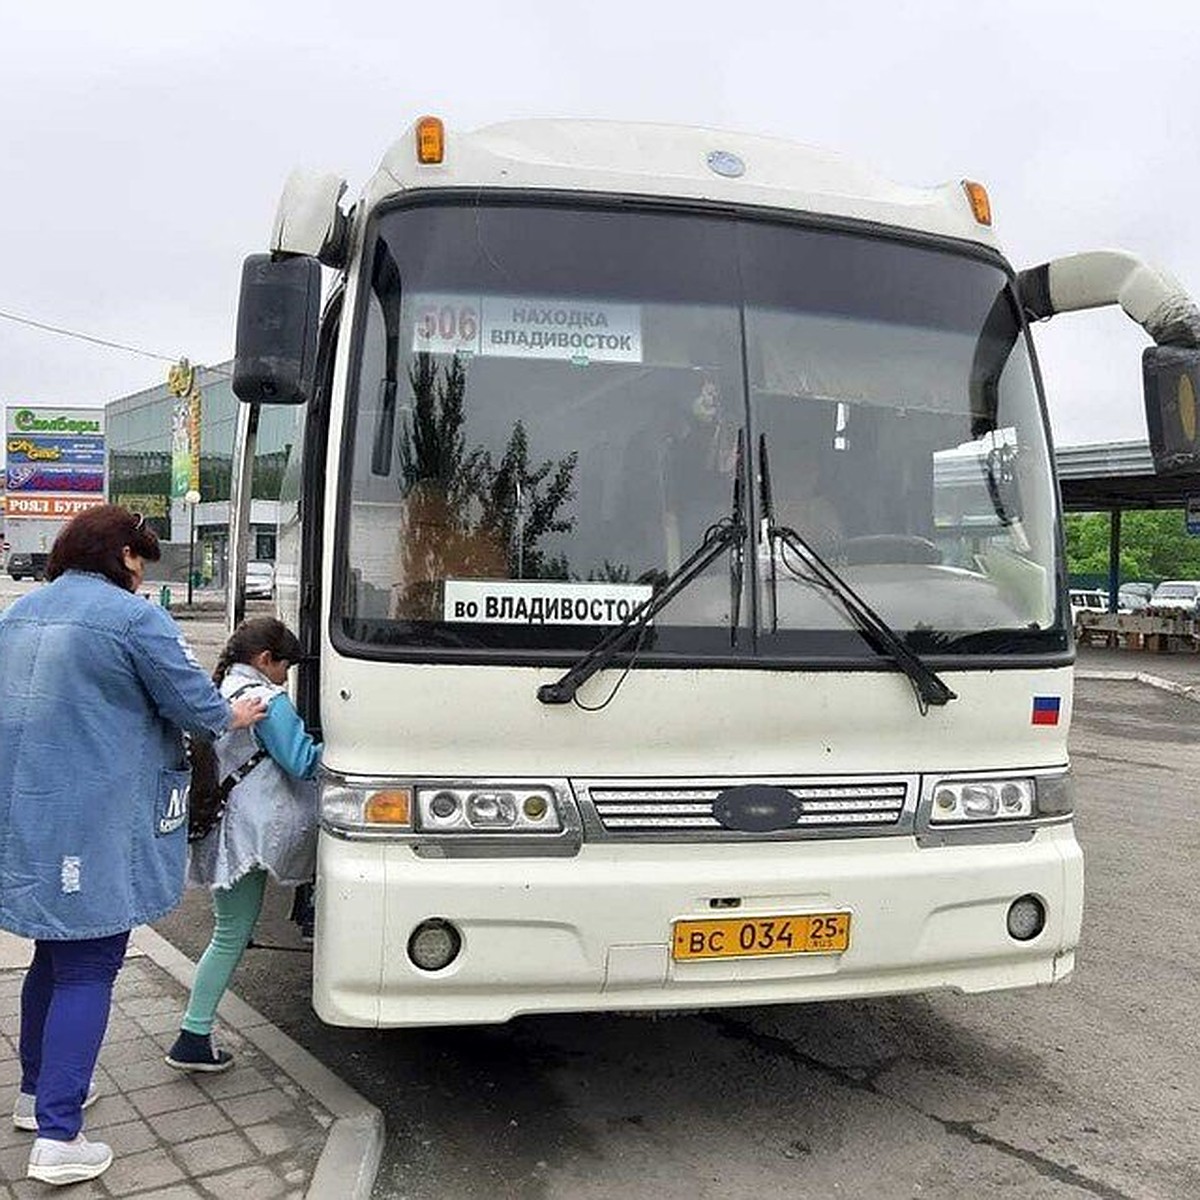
968, 801
461, 809
450, 817
961, 801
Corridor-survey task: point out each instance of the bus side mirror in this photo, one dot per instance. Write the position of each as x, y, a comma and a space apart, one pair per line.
1171, 381
275, 360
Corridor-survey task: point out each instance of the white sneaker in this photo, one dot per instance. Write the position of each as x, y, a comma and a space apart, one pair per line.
67, 1162
25, 1109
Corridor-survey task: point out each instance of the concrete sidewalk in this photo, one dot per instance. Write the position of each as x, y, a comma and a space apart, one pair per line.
1177, 673
279, 1124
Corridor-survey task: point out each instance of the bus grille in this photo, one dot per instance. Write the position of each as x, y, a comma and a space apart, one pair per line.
825, 807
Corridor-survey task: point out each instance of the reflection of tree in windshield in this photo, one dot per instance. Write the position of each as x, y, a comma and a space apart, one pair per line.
431, 444
520, 506
468, 516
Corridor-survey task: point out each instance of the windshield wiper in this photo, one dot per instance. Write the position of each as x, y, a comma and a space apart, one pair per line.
728, 532
737, 559
928, 687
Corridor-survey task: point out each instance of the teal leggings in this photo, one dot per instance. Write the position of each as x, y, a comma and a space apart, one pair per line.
235, 911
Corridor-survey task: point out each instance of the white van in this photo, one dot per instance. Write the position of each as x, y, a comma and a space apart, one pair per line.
1088, 600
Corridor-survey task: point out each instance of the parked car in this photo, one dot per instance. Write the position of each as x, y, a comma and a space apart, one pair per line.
26, 566
260, 580
1088, 599
1134, 597
1176, 595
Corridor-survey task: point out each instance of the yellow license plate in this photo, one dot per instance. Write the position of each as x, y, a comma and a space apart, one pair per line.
757, 937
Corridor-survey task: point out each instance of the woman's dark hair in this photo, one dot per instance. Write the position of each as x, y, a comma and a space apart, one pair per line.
94, 540
252, 637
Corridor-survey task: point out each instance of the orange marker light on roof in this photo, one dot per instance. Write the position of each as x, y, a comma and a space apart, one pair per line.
431, 140
981, 206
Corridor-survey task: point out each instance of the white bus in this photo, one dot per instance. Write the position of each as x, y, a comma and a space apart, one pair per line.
676, 545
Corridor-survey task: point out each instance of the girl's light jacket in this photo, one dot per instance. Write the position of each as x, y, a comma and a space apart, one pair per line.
95, 685
270, 821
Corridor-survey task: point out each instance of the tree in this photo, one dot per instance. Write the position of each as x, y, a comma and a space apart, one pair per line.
1155, 545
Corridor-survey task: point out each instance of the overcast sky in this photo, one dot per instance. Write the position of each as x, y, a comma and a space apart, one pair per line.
143, 145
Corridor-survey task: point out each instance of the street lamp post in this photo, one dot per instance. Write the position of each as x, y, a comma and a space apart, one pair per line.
191, 499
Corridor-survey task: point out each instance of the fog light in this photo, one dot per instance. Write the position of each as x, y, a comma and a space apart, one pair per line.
1026, 918
434, 944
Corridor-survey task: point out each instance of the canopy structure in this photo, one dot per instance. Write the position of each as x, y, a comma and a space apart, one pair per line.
1113, 476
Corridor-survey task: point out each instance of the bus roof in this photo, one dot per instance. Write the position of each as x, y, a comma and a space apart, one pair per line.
676, 161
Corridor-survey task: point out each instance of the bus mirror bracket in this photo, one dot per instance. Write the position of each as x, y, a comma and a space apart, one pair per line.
275, 361
309, 219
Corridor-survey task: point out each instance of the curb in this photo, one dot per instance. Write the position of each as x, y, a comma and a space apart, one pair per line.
347, 1167
1184, 690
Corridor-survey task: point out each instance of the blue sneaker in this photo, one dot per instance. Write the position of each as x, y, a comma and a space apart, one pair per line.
195, 1052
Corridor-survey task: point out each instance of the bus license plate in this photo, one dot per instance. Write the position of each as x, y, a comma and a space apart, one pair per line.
757, 937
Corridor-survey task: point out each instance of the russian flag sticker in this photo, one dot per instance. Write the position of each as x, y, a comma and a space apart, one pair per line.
1045, 710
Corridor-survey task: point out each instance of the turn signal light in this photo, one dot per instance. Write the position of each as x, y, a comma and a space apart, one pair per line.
431, 140
981, 206
393, 807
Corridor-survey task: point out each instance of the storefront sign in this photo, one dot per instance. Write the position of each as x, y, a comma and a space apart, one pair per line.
185, 429
147, 505
39, 448
48, 506
54, 453
87, 422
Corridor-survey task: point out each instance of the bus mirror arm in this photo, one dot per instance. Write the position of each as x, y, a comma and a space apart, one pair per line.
1097, 278
725, 533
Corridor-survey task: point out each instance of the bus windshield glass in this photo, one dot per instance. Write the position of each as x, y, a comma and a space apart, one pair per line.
545, 409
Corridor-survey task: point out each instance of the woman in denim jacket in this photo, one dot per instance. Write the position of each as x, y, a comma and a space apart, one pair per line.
98, 684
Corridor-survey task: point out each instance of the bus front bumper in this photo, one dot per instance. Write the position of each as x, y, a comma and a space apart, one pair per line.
595, 931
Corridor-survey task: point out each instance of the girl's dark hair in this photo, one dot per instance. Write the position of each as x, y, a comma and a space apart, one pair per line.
94, 539
252, 637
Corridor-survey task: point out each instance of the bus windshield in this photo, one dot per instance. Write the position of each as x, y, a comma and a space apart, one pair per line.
544, 416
